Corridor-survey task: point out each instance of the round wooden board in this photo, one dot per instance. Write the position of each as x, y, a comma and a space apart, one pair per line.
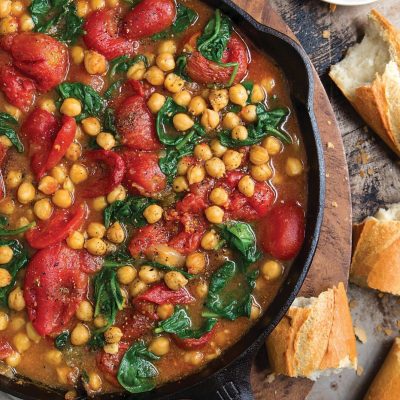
332, 259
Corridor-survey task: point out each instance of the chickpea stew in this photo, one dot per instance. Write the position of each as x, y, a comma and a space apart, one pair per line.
153, 188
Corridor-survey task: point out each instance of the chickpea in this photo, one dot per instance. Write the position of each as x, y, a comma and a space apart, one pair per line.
7, 206
77, 54
271, 270
8, 25
246, 186
202, 151
32, 334
173, 83
73, 152
167, 255
84, 311
175, 280
21, 342
6, 255
5, 8
215, 167
167, 46
230, 120
196, 263
17, 323
13, 360
91, 126
26, 192
13, 179
165, 61
97, 4
115, 233
16, 299
149, 274
258, 155
71, 107
195, 174
210, 240
126, 274
96, 246
154, 76
137, 71
232, 159
239, 133
80, 335
257, 94
63, 375
183, 165
294, 167
82, 8
53, 357
180, 184
201, 289
182, 98
214, 214
209, 119
137, 287
3, 320
219, 196
5, 276
197, 106
105, 140
155, 102
95, 382
119, 193
100, 321
255, 312
95, 63
59, 174
113, 335
111, 348
217, 148
194, 358
48, 105
153, 213
238, 95
76, 240
164, 311
159, 346
261, 172
273, 145
99, 203
5, 141
182, 122
68, 185
96, 230
249, 113
62, 198
219, 99
78, 173
112, 3
43, 209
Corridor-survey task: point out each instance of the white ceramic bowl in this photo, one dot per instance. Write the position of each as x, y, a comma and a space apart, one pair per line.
349, 2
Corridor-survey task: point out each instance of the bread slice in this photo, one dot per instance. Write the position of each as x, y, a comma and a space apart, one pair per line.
376, 256
315, 337
369, 76
386, 384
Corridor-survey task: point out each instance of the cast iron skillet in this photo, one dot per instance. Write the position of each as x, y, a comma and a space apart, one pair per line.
228, 377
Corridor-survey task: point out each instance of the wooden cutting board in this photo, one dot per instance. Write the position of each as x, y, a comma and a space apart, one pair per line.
332, 259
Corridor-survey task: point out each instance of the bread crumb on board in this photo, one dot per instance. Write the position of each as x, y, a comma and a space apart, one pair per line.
360, 370
353, 304
326, 34
334, 204
332, 7
360, 334
388, 331
271, 377
330, 145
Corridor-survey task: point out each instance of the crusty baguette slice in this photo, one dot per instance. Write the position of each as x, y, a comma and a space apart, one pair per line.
376, 256
369, 76
386, 384
315, 337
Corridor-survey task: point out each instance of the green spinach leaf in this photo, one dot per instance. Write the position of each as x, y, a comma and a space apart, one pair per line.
121, 64
12, 232
7, 128
118, 258
167, 268
109, 122
62, 340
96, 341
113, 87
180, 67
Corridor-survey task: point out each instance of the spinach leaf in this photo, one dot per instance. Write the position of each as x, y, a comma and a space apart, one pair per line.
185, 17
180, 324
7, 129
96, 341
19, 260
113, 87
12, 232
180, 67
62, 340
167, 268
128, 211
119, 258
164, 119
242, 238
249, 89
92, 103
109, 121
136, 372
121, 64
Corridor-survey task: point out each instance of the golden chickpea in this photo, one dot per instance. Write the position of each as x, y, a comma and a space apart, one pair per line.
255, 312
96, 246
77, 54
197, 106
59, 174
167, 46
238, 94
91, 126
7, 206
48, 105
183, 166
219, 196
63, 375
215, 167
209, 119
137, 287
73, 152
261, 172
111, 348
173, 83
116, 233
95, 382
113, 335
32, 334
271, 270
80, 335
26, 23
154, 76
196, 263
202, 151
17, 323
82, 8
105, 140
239, 133
149, 274
76, 240
119, 193
62, 198
100, 321
257, 94
219, 99
5, 8
53, 357
8, 25
16, 299
112, 3
48, 185
164, 311
195, 174
217, 148
175, 280
21, 342
165, 61
293, 167
155, 102
230, 120
153, 213
97, 4
78, 173
95, 63
43, 209
13, 360
68, 185
180, 184
96, 230
3, 320
6, 255
5, 141
126, 274
71, 107
194, 358
232, 159
182, 122
26, 192
13, 179
214, 214
249, 113
137, 71
182, 98
5, 276
258, 155
159, 346
273, 145
201, 289
84, 312
246, 186
99, 203
210, 240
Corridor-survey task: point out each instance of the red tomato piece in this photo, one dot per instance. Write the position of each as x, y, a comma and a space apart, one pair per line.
262, 199
6, 41
19, 90
5, 349
90, 264
54, 286
107, 169
134, 324
41, 57
109, 363
193, 344
149, 17
197, 200
102, 35
143, 174
282, 231
202, 70
147, 236
161, 294
136, 124
57, 228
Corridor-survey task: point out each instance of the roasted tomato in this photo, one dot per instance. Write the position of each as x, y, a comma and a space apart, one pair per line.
143, 174
134, 324
5, 349
136, 125
40, 57
56, 229
102, 35
54, 286
193, 344
90, 264
109, 363
149, 17
161, 294
6, 41
145, 237
107, 170
19, 90
202, 70
282, 231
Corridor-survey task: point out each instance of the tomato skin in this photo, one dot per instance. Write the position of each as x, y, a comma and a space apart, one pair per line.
143, 174
19, 90
40, 57
202, 70
109, 363
136, 124
54, 286
282, 231
161, 294
262, 199
107, 171
6, 41
194, 344
90, 264
149, 17
56, 229
147, 236
102, 35
5, 349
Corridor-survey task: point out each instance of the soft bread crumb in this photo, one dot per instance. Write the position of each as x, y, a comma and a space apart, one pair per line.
271, 378
326, 34
390, 214
360, 334
360, 370
388, 331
